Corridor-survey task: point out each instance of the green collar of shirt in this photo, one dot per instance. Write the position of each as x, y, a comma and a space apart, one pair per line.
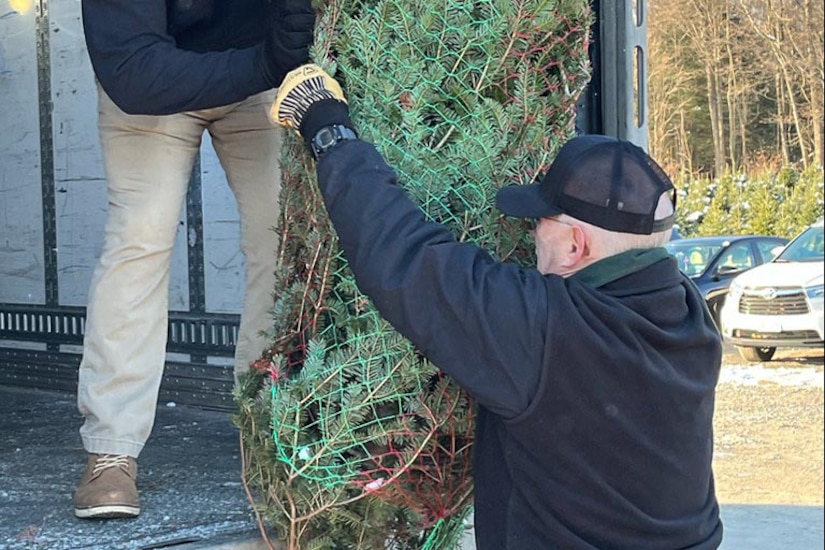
615, 267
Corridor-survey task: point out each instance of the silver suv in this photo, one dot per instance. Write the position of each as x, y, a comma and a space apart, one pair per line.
780, 303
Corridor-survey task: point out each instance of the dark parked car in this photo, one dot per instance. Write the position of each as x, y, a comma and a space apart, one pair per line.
712, 262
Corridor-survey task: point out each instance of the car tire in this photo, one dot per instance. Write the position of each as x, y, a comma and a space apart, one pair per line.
756, 355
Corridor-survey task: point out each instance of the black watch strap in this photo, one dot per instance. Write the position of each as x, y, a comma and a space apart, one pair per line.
328, 137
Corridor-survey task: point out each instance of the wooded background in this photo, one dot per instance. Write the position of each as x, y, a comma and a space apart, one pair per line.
736, 110
733, 82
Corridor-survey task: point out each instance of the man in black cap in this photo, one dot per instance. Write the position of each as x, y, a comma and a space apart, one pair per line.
594, 374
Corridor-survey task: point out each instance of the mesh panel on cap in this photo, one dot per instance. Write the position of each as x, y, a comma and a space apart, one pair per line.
614, 178
613, 186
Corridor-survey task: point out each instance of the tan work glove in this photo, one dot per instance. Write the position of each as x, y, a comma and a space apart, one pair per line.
301, 89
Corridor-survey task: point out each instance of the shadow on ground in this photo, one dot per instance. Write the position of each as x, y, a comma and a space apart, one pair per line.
188, 476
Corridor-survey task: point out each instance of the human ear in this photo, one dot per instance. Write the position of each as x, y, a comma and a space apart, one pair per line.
579, 248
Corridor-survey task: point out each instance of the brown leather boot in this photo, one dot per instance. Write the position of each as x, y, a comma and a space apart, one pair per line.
107, 489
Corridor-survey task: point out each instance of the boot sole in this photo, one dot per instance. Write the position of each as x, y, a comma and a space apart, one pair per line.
108, 511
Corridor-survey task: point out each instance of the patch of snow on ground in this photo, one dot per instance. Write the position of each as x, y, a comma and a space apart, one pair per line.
751, 375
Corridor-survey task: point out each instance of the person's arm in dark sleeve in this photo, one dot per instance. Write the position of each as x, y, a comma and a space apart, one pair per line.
480, 321
139, 66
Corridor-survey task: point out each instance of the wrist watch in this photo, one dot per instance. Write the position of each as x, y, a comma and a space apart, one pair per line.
328, 137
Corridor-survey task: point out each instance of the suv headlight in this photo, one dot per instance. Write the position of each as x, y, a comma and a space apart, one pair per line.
815, 292
735, 291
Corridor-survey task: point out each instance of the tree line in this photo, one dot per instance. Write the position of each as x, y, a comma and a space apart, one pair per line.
735, 84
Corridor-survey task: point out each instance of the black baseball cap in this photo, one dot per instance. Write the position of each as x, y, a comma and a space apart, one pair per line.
601, 180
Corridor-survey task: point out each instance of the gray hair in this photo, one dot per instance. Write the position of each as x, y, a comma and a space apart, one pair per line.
604, 243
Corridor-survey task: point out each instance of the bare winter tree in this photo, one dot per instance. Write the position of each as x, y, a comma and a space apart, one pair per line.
733, 80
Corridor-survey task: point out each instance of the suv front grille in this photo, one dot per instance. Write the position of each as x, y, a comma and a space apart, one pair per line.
804, 336
785, 303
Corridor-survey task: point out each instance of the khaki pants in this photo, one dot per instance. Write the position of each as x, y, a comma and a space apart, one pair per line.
148, 161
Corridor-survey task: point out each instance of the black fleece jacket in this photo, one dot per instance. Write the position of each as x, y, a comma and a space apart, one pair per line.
157, 57
596, 392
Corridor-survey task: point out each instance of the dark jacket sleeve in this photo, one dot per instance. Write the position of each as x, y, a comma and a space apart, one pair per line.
480, 321
139, 66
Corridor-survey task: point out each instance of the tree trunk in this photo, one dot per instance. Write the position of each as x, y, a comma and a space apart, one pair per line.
730, 101
686, 155
715, 109
817, 119
814, 58
797, 120
743, 131
730, 97
780, 121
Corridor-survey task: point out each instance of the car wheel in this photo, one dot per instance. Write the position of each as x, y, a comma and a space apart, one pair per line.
755, 355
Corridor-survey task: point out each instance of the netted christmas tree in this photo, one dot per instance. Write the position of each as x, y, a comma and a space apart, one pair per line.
351, 438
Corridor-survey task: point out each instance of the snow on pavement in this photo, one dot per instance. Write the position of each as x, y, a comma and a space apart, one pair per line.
751, 375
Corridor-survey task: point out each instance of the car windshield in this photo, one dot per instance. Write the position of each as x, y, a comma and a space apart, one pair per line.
807, 247
693, 258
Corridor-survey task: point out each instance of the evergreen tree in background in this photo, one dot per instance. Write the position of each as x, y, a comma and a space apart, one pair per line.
770, 202
764, 202
351, 438
801, 203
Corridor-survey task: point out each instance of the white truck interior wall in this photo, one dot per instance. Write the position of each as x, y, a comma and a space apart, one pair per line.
80, 187
21, 223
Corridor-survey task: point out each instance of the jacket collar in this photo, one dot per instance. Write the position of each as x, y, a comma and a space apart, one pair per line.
620, 265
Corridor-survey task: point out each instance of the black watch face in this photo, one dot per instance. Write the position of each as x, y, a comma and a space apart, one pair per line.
324, 138
328, 136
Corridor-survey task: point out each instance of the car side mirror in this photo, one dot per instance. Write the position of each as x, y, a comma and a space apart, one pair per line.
727, 270
776, 250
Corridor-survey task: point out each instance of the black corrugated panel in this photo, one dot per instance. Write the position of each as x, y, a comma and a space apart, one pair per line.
192, 383
208, 386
